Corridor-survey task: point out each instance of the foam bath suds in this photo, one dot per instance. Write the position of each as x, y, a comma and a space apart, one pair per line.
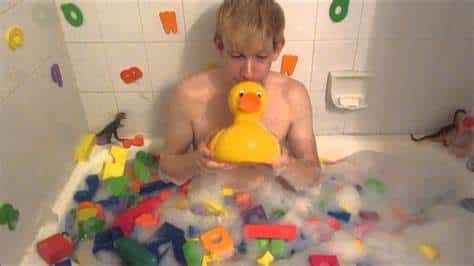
359, 213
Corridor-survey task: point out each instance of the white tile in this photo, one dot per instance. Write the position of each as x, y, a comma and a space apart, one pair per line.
368, 120
139, 110
120, 20
347, 29
406, 19
89, 30
160, 113
90, 66
326, 120
100, 109
152, 26
166, 64
121, 56
300, 19
40, 40
399, 110
200, 18
172, 62
456, 67
331, 56
460, 19
304, 51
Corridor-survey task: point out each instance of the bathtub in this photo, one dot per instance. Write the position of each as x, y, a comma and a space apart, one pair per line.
330, 147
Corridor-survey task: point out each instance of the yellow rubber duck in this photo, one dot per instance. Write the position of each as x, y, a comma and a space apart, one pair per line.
246, 140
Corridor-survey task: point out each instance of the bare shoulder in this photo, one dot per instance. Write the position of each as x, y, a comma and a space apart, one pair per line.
294, 91
194, 87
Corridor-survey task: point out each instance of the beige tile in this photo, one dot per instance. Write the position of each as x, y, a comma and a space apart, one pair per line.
89, 30
90, 67
122, 56
347, 29
119, 20
152, 26
199, 17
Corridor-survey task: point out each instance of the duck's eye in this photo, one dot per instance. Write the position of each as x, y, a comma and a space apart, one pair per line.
241, 93
259, 94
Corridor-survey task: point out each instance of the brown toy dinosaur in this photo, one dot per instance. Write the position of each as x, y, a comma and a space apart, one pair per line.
447, 133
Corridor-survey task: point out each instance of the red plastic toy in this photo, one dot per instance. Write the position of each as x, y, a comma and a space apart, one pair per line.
273, 231
130, 75
320, 260
137, 141
54, 248
468, 122
126, 220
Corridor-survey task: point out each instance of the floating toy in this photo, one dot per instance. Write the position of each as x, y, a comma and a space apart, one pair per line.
246, 140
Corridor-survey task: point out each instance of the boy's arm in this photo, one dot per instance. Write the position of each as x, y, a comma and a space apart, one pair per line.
303, 168
176, 164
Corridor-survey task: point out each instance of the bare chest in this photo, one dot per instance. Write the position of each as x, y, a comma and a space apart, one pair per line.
216, 115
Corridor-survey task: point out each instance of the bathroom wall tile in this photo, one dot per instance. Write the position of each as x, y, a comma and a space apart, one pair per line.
347, 29
139, 110
100, 109
90, 66
406, 19
304, 51
331, 56
166, 64
152, 26
300, 19
200, 19
327, 120
121, 56
90, 28
23, 60
119, 20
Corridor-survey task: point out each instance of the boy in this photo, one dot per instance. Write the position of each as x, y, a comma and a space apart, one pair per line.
249, 37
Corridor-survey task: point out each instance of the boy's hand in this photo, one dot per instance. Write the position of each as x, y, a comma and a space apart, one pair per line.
279, 166
205, 159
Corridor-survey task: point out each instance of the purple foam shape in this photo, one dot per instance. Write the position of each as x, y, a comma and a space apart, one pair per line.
254, 215
56, 75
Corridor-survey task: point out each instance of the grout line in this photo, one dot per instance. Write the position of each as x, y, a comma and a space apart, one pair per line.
314, 50
11, 6
184, 20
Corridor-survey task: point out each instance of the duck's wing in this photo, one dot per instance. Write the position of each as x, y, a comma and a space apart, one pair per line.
212, 144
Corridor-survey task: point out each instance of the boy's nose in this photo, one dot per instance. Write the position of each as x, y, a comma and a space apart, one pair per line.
247, 70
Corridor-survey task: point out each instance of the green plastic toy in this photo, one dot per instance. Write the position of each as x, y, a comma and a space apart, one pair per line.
344, 9
90, 226
375, 184
133, 253
118, 186
72, 14
9, 216
278, 248
141, 171
193, 253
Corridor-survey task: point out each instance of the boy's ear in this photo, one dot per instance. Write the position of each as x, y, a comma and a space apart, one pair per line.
278, 46
218, 43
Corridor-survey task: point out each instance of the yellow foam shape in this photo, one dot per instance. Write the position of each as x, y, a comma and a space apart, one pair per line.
117, 167
14, 37
359, 245
112, 170
266, 259
215, 208
86, 213
119, 154
84, 148
228, 192
429, 252
218, 242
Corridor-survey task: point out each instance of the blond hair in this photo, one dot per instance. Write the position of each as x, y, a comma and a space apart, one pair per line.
241, 23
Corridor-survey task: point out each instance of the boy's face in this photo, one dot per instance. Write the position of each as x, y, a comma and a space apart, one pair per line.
252, 63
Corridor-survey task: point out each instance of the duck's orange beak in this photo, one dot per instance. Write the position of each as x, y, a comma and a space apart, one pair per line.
249, 103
